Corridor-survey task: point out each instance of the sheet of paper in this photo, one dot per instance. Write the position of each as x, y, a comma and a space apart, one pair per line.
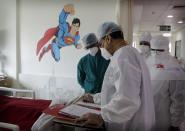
89, 105
77, 110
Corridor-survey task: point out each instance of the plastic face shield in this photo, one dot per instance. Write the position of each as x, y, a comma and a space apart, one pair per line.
156, 51
144, 43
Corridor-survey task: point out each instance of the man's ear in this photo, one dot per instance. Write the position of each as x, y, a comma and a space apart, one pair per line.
109, 39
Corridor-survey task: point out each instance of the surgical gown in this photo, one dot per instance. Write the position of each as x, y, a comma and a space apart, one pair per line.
90, 72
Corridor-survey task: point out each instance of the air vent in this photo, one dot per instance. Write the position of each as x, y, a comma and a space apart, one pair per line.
164, 28
178, 6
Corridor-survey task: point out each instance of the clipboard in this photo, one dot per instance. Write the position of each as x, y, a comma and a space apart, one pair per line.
81, 125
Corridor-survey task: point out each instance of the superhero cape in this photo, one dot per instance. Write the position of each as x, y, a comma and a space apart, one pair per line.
47, 36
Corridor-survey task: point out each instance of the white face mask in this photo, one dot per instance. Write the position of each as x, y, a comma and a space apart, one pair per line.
144, 49
93, 51
105, 54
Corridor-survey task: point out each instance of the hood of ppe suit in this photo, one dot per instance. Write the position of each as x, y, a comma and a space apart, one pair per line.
160, 42
146, 36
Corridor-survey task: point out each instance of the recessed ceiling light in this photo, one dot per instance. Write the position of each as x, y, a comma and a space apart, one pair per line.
170, 16
180, 22
167, 34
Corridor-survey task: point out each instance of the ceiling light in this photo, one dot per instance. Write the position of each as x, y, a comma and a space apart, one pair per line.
180, 22
170, 16
167, 34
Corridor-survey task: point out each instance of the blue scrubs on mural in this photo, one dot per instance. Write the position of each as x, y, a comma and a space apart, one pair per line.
63, 37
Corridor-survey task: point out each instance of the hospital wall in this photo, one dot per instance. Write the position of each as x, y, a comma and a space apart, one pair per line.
179, 35
31, 18
8, 37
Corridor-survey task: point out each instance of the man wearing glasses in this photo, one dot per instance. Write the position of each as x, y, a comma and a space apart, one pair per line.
126, 95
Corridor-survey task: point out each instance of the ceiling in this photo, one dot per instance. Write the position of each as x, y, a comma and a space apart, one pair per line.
149, 14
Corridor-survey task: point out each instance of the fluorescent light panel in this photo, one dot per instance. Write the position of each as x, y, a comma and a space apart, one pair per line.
180, 22
167, 34
170, 16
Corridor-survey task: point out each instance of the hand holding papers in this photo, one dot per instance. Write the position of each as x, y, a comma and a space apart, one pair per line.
85, 113
78, 114
91, 119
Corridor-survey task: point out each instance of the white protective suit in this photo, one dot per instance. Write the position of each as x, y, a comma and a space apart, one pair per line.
126, 97
168, 84
145, 49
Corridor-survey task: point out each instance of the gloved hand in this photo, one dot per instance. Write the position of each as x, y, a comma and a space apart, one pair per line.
172, 128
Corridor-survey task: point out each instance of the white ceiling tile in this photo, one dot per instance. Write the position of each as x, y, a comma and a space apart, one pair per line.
154, 13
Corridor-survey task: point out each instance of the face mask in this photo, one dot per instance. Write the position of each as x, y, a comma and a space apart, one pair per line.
105, 54
144, 49
93, 51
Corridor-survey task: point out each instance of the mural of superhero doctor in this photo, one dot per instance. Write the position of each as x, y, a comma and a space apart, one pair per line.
65, 34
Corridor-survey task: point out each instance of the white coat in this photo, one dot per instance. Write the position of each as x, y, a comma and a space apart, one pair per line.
144, 51
168, 84
126, 97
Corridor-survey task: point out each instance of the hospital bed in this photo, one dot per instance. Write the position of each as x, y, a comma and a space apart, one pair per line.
20, 113
44, 121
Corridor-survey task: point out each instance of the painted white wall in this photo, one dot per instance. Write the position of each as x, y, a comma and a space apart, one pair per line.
8, 36
36, 16
60, 89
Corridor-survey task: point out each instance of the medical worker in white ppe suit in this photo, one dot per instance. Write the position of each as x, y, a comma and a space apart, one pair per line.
126, 95
144, 44
168, 83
